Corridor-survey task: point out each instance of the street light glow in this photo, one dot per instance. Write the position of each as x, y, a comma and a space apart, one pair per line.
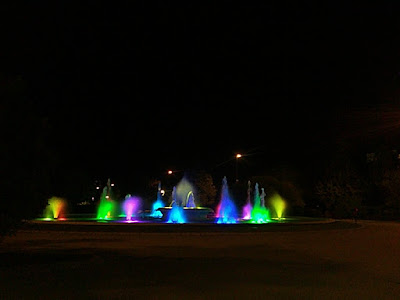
169, 172
236, 166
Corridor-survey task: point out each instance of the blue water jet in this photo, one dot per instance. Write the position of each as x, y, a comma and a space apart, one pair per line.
155, 213
177, 214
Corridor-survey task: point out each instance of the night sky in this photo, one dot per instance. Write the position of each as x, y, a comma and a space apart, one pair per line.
133, 89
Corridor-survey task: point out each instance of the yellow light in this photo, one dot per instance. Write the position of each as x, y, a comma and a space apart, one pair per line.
238, 155
162, 192
169, 172
112, 184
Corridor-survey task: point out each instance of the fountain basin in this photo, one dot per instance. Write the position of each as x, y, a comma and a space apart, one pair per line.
192, 214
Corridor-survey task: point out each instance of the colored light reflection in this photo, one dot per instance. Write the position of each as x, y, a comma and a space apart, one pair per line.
131, 221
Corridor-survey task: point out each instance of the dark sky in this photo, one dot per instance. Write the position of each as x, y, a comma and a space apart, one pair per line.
137, 88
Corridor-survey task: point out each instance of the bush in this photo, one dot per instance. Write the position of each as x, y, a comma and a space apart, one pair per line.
339, 197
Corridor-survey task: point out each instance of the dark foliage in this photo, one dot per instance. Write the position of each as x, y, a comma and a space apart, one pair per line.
27, 162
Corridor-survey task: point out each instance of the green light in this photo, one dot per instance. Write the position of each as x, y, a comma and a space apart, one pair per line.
259, 213
106, 209
107, 206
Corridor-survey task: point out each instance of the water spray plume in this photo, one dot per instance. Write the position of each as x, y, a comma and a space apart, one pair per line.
107, 205
155, 213
177, 214
278, 204
183, 190
190, 200
259, 213
226, 210
56, 208
130, 206
246, 214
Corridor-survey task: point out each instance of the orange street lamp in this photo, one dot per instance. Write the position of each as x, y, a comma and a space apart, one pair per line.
237, 158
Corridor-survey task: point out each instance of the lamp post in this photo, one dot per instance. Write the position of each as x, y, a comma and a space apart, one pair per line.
237, 158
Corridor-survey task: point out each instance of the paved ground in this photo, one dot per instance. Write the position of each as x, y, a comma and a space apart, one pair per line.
325, 261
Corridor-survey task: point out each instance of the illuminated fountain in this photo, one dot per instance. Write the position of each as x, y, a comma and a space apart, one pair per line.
226, 210
183, 207
155, 213
278, 205
248, 207
176, 214
107, 206
130, 207
190, 200
259, 213
56, 209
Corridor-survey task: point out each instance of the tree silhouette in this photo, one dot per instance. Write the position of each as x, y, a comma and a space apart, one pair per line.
27, 163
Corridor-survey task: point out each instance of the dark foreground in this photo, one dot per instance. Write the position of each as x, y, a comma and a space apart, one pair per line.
310, 261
